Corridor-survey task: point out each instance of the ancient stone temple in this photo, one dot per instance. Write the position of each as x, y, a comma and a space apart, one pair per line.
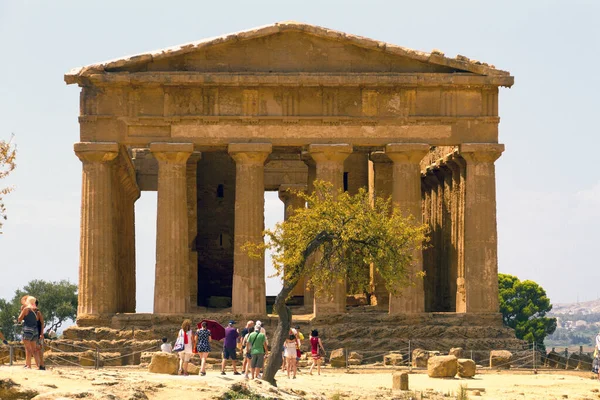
212, 125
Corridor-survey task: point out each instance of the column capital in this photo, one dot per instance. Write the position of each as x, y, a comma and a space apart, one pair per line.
330, 152
456, 163
481, 152
177, 153
287, 190
194, 157
96, 151
379, 157
250, 153
407, 153
306, 157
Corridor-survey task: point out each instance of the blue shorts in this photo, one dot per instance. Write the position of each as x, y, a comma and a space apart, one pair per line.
229, 353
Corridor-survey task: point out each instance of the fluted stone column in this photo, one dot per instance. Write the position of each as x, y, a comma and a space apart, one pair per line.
192, 212
249, 292
457, 165
406, 193
129, 193
171, 287
481, 242
291, 202
383, 170
329, 159
309, 294
97, 259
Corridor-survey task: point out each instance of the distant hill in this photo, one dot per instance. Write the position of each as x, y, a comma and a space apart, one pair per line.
584, 307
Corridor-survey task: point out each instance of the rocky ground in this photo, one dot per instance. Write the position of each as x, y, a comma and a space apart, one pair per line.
133, 383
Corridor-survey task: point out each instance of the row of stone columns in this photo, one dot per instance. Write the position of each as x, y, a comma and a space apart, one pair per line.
459, 205
107, 264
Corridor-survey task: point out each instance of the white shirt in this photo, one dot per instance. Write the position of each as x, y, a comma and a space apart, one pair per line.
187, 347
166, 348
598, 342
290, 348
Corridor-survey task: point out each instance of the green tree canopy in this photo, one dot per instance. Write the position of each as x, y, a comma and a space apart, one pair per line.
346, 233
57, 302
524, 305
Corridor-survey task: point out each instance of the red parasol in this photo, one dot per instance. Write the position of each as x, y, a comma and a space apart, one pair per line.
217, 331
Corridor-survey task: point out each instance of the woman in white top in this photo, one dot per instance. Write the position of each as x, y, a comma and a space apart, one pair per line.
290, 346
189, 342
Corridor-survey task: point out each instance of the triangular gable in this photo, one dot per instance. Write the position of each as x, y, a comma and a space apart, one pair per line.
285, 46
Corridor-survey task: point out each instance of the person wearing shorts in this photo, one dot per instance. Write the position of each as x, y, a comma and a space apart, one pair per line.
257, 347
229, 347
316, 347
188, 339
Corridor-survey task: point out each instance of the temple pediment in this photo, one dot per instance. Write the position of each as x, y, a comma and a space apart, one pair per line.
288, 47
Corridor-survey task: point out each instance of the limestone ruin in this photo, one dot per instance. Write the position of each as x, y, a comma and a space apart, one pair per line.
211, 125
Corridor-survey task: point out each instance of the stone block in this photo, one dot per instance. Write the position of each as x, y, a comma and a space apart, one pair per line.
164, 363
466, 368
456, 352
87, 358
419, 358
500, 359
393, 359
442, 366
555, 360
111, 359
337, 358
355, 358
585, 362
193, 369
400, 381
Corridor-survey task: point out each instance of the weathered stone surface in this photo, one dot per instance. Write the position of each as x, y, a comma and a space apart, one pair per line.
555, 360
585, 362
500, 359
466, 368
394, 359
87, 358
337, 358
456, 352
442, 367
193, 369
400, 381
164, 363
291, 86
419, 358
9, 390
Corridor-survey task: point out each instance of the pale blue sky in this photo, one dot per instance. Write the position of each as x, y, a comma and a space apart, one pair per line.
547, 180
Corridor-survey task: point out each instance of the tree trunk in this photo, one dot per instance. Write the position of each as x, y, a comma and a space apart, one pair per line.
285, 314
283, 327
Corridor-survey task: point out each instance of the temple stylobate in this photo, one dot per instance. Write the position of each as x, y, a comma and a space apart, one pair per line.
212, 125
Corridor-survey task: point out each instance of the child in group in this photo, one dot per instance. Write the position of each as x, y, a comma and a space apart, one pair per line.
166, 347
315, 346
290, 346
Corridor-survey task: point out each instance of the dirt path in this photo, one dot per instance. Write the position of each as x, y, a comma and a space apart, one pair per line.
134, 383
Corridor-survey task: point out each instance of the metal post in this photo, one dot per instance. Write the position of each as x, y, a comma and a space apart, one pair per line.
534, 369
97, 359
409, 357
346, 350
12, 354
471, 354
